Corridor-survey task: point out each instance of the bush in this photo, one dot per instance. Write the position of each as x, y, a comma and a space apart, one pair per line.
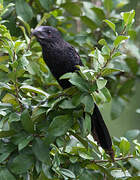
43, 133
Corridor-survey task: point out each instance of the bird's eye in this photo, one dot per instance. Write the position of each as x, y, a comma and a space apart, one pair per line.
49, 32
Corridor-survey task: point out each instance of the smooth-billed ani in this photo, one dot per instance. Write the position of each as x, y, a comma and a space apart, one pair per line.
62, 58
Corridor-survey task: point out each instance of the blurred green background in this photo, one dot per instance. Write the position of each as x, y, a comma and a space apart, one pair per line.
129, 119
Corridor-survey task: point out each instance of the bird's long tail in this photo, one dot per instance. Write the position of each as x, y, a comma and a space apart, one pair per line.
100, 132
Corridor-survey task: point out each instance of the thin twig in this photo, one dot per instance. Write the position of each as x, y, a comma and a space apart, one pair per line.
16, 87
115, 159
111, 53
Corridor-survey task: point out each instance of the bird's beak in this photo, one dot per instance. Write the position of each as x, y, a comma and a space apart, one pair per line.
34, 32
38, 32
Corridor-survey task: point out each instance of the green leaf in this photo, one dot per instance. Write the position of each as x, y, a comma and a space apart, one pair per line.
128, 17
4, 68
21, 163
138, 111
60, 125
99, 12
126, 87
14, 117
67, 173
7, 133
74, 8
42, 176
47, 4
132, 63
41, 150
88, 102
67, 104
108, 5
106, 51
47, 171
33, 89
5, 86
119, 40
110, 24
99, 168
102, 42
118, 173
27, 121
132, 134
24, 32
118, 105
4, 156
24, 10
25, 24
91, 24
66, 76
80, 139
4, 58
134, 178
79, 82
108, 71
6, 175
135, 163
124, 146
24, 143
101, 83
87, 124
116, 54
106, 94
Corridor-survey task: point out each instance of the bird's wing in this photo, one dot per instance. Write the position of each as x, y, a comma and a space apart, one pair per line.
73, 55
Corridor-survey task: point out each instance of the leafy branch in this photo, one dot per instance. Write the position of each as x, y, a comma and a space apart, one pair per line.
115, 159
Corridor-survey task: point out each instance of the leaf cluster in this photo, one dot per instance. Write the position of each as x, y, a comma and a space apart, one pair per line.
45, 131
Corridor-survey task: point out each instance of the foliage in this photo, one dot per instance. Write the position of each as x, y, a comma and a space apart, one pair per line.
44, 134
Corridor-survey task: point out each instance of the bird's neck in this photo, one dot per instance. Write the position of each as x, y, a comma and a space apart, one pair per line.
53, 45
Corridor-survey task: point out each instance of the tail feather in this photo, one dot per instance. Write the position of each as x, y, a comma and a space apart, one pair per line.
100, 132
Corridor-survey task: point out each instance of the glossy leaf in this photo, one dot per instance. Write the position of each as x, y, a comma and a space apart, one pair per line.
118, 105
109, 71
67, 173
24, 10
120, 173
124, 146
64, 120
108, 5
126, 87
132, 64
135, 163
46, 4
66, 104
27, 121
101, 83
87, 124
79, 82
110, 24
128, 17
106, 94
132, 134
41, 150
7, 133
33, 89
73, 8
119, 40
88, 103
91, 24
21, 163
24, 143
5, 174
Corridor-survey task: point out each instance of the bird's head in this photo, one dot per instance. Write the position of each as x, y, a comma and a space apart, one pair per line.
46, 34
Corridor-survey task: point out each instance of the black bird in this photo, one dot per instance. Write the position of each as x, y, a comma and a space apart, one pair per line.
62, 58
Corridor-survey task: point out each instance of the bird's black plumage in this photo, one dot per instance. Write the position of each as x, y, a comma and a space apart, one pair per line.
62, 58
